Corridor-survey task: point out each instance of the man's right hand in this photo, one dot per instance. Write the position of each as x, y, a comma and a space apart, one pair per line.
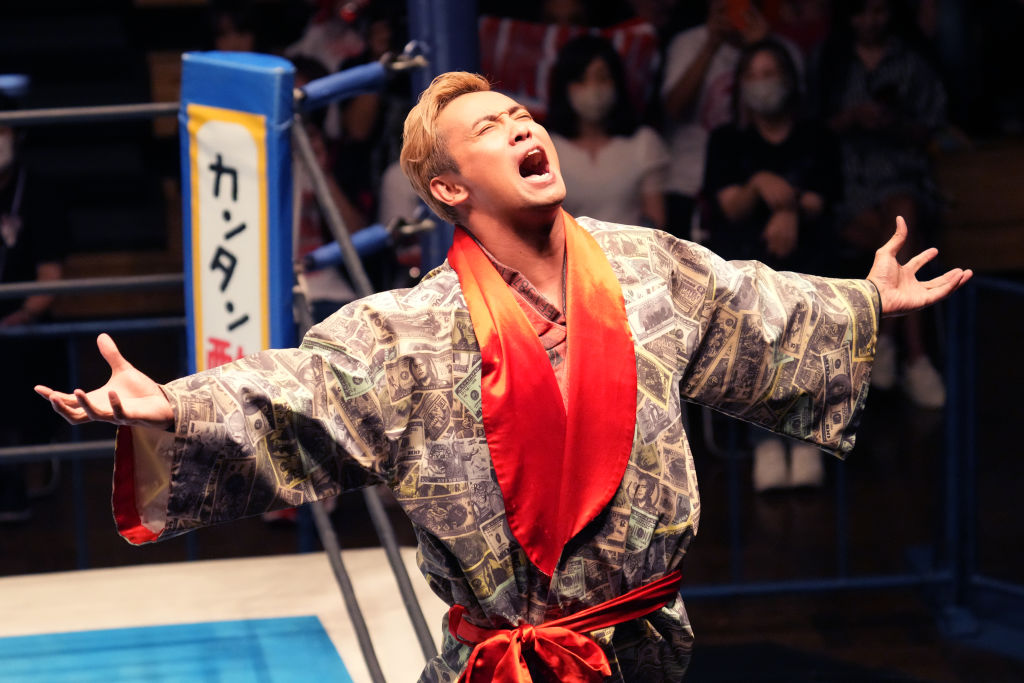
128, 398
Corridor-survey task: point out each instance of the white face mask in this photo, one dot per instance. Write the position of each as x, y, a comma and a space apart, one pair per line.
765, 96
6, 151
592, 103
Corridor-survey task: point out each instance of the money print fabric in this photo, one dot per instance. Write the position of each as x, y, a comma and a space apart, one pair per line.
388, 391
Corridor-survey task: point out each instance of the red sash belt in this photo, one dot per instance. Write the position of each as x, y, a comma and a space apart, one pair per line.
562, 644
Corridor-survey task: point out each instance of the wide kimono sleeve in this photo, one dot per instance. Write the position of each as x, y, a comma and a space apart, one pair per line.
789, 352
269, 431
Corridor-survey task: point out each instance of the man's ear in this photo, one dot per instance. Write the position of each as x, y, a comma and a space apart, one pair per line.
448, 188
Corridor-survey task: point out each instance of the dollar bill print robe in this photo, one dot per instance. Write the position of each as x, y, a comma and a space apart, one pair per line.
387, 391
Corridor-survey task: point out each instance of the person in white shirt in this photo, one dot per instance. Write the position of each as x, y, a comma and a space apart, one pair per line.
615, 170
700, 66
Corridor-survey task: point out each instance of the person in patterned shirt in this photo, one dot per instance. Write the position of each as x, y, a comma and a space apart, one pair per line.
544, 467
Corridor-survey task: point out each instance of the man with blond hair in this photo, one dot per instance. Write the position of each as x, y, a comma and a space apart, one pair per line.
545, 467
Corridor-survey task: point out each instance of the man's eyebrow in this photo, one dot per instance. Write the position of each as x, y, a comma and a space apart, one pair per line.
511, 111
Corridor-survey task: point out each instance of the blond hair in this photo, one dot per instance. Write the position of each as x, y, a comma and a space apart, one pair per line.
424, 154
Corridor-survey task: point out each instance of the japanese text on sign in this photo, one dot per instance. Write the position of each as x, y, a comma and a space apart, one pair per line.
229, 234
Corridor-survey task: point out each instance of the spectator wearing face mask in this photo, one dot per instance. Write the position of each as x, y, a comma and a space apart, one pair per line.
771, 181
613, 169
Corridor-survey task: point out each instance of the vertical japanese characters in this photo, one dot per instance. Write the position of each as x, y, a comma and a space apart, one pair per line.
224, 260
229, 235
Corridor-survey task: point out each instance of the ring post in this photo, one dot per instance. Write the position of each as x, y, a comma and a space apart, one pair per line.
448, 30
235, 122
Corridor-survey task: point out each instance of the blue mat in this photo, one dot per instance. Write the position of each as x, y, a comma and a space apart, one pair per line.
270, 650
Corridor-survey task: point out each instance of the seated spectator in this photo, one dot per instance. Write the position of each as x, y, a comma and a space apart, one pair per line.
613, 170
885, 103
371, 123
771, 182
332, 34
327, 288
771, 179
517, 55
696, 93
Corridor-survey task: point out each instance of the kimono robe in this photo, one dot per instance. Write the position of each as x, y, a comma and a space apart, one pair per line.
387, 390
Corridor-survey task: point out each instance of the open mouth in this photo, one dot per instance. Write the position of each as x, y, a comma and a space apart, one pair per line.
534, 166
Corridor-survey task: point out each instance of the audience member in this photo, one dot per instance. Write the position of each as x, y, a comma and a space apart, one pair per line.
805, 23
613, 169
332, 36
327, 288
699, 67
885, 103
771, 182
771, 178
233, 27
31, 249
564, 12
665, 18
518, 55
398, 200
371, 123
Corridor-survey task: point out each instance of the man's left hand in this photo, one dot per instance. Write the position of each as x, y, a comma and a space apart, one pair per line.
898, 286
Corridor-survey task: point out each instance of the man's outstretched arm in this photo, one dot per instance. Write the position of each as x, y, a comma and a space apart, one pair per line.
898, 287
274, 429
129, 397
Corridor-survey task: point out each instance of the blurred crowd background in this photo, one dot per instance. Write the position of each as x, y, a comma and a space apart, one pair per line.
788, 131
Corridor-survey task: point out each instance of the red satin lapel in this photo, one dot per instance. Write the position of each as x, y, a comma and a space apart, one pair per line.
524, 419
549, 499
602, 381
